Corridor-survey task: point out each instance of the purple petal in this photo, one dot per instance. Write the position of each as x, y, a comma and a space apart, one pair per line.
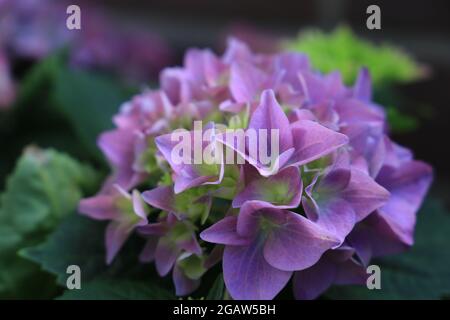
351, 272
161, 197
154, 229
183, 284
269, 115
115, 236
356, 112
100, 207
329, 210
148, 253
364, 194
408, 186
297, 244
165, 145
367, 141
373, 237
224, 232
326, 114
233, 107
396, 154
335, 215
301, 114
312, 282
165, 256
174, 82
363, 86
118, 146
250, 215
190, 245
183, 183
334, 267
237, 51
245, 81
312, 141
292, 63
335, 181
248, 276
139, 207
203, 66
188, 175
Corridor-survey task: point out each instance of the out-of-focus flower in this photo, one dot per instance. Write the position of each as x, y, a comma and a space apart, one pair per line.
33, 29
104, 43
337, 192
7, 87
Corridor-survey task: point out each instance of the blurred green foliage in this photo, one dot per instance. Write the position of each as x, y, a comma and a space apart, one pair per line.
118, 289
342, 50
217, 289
79, 240
84, 101
45, 187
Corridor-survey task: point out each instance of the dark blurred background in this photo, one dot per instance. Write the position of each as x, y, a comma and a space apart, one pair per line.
422, 27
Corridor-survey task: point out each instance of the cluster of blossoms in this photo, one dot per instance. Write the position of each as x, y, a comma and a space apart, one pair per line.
342, 192
33, 29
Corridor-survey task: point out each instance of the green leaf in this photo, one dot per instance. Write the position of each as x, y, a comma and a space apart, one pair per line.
32, 121
38, 80
88, 101
80, 241
44, 187
64, 108
77, 241
421, 273
117, 289
217, 289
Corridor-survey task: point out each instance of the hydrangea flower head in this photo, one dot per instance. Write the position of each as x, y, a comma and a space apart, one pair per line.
312, 192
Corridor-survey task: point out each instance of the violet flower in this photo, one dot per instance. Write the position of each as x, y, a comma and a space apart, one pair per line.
33, 29
336, 193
